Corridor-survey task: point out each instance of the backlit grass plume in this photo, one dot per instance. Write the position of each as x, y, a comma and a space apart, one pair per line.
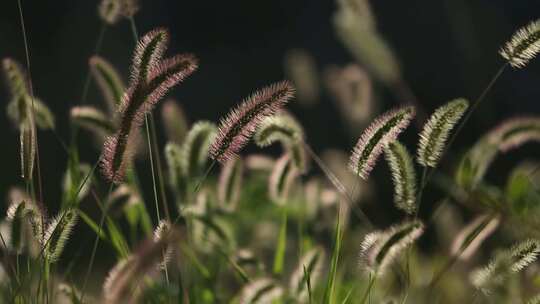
109, 81
57, 234
238, 126
196, 147
523, 46
506, 263
111, 11
309, 270
376, 137
151, 78
174, 121
261, 291
514, 132
23, 104
403, 176
284, 128
92, 119
123, 282
435, 133
469, 239
380, 248
281, 179
230, 184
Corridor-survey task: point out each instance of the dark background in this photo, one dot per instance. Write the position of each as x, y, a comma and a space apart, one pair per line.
447, 49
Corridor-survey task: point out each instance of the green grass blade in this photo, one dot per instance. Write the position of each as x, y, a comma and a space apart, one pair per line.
279, 257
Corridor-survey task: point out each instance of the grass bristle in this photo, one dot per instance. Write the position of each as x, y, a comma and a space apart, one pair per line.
403, 176
237, 127
380, 248
523, 46
384, 130
435, 133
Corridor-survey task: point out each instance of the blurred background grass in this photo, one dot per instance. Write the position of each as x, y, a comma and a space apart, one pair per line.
447, 49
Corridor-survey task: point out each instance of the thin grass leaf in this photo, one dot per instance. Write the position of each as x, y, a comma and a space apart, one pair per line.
175, 121
109, 81
378, 135
310, 269
523, 46
436, 131
229, 186
380, 248
261, 291
329, 291
196, 147
238, 126
58, 233
403, 176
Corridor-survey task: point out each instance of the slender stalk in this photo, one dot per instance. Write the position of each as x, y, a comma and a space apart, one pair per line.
338, 185
94, 248
463, 121
367, 294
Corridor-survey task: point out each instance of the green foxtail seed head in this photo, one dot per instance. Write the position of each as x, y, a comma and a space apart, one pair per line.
403, 176
376, 137
523, 46
259, 291
57, 234
196, 147
435, 133
380, 248
230, 184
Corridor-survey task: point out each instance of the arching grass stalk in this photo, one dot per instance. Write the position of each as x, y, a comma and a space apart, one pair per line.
336, 183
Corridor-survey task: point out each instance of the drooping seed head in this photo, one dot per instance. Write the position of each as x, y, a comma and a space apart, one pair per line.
380, 248
523, 46
281, 179
58, 233
505, 263
435, 132
109, 81
123, 280
160, 233
28, 149
195, 150
148, 52
515, 132
310, 269
92, 119
479, 230
238, 126
259, 291
175, 121
177, 176
378, 135
109, 11
151, 78
230, 184
403, 176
